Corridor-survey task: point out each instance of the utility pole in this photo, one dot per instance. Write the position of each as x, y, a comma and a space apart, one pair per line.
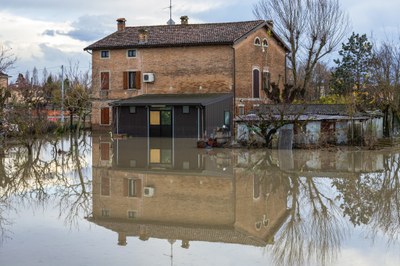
62, 95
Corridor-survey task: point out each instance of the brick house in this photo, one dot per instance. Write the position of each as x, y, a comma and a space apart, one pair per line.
3, 80
140, 74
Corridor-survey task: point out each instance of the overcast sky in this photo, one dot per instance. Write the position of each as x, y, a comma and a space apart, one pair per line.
51, 33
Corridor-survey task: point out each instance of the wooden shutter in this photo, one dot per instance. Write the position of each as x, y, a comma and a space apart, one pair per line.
138, 80
138, 187
125, 79
105, 151
256, 83
105, 116
105, 80
125, 187
105, 186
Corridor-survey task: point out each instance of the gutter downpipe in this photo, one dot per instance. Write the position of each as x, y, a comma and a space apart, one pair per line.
287, 54
234, 95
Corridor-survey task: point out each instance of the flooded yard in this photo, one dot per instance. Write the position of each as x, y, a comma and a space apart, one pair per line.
139, 201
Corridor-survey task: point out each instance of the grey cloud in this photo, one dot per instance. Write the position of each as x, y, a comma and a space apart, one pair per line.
87, 28
49, 33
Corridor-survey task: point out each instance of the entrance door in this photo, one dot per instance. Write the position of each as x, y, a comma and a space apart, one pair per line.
161, 122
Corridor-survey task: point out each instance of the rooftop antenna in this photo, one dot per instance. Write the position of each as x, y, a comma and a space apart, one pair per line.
170, 21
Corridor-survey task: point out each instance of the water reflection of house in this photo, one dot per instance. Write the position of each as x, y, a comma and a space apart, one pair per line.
171, 190
315, 163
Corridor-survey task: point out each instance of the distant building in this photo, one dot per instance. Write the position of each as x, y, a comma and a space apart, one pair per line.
3, 80
229, 64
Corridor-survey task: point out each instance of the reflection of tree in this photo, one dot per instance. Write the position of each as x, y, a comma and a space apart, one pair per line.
75, 198
44, 173
313, 230
374, 199
4, 222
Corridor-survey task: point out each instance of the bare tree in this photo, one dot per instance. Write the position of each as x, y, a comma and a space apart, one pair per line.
77, 98
384, 93
311, 28
7, 59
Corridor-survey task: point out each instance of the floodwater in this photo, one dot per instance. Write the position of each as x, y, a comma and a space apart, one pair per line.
97, 201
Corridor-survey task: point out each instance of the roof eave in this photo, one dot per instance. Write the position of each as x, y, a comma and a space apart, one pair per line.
155, 45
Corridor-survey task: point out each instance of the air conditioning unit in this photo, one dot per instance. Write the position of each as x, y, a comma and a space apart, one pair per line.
148, 77
148, 191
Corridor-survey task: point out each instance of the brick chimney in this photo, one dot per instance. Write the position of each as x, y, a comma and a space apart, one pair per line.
122, 239
121, 24
270, 23
184, 20
143, 35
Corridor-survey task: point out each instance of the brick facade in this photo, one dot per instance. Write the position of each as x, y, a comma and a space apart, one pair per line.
191, 69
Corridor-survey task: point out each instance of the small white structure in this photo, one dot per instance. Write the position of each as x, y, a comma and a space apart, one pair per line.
315, 124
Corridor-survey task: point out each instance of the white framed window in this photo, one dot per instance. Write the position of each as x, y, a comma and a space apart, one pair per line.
105, 54
241, 109
257, 41
265, 42
132, 109
105, 213
132, 214
132, 188
131, 53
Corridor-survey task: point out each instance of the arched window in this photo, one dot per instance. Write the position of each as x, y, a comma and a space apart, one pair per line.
265, 43
257, 41
256, 83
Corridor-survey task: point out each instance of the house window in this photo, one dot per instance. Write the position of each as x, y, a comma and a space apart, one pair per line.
241, 109
105, 80
265, 43
132, 187
158, 156
256, 83
155, 118
163, 117
105, 213
257, 41
131, 53
132, 214
132, 109
105, 116
256, 187
105, 54
227, 118
131, 80
266, 81
185, 109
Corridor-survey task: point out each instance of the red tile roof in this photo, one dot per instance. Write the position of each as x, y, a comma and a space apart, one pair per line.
179, 35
